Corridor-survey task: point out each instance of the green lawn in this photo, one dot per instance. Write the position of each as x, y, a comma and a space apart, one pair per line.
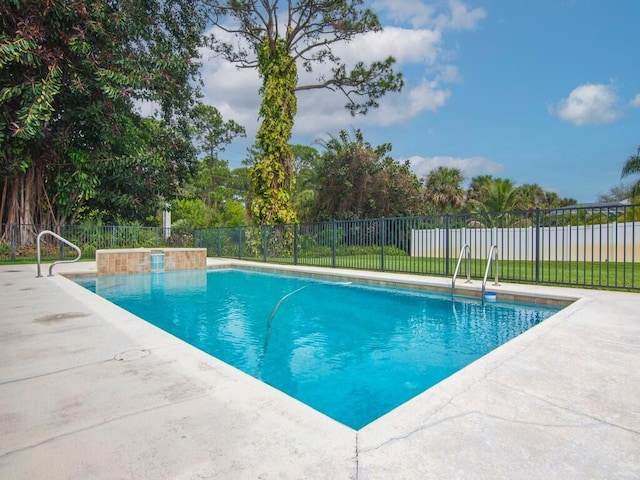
579, 274
606, 275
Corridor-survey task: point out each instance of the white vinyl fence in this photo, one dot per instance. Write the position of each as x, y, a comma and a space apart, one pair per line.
609, 242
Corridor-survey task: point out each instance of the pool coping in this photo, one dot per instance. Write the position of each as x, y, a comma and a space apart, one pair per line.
506, 292
559, 400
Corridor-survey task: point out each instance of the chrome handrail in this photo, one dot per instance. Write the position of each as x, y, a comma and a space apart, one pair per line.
465, 248
64, 240
493, 253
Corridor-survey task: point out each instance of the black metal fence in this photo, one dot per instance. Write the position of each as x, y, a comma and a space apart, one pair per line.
587, 246
18, 241
590, 247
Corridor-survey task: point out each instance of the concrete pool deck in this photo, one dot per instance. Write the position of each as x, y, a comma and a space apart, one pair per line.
88, 390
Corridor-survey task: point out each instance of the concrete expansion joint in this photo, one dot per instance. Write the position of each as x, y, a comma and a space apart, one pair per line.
427, 424
357, 457
54, 372
95, 425
422, 426
596, 420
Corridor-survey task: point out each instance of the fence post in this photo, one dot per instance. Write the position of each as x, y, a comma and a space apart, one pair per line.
240, 235
295, 244
218, 247
13, 242
447, 244
333, 246
382, 242
61, 247
264, 243
537, 249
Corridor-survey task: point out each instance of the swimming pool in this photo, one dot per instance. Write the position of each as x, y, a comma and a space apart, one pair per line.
351, 351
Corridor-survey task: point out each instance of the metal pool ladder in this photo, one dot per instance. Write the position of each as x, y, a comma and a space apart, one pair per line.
64, 240
493, 255
465, 248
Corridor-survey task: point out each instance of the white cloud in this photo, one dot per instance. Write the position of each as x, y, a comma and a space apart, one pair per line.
405, 45
233, 91
415, 12
470, 167
428, 96
588, 104
448, 74
461, 18
320, 113
635, 101
455, 14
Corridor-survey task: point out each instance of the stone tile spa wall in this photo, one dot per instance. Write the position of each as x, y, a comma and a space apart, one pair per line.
138, 260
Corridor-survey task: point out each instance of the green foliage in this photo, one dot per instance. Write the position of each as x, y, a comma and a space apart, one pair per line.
499, 195
148, 165
444, 189
194, 213
532, 196
210, 130
632, 167
357, 180
234, 214
70, 72
88, 251
631, 215
252, 244
271, 176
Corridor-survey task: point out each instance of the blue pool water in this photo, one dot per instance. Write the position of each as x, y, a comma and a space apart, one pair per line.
351, 351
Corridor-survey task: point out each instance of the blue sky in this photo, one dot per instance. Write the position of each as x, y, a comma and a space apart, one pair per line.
544, 91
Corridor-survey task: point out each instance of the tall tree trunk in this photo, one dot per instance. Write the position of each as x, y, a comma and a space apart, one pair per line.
23, 204
271, 177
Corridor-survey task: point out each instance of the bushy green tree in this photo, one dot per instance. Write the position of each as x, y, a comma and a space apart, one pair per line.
306, 165
357, 180
70, 74
533, 196
148, 164
211, 132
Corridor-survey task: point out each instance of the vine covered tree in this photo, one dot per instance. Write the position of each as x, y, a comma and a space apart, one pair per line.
282, 37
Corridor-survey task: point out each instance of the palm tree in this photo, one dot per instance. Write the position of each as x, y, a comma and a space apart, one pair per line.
444, 189
499, 196
532, 196
474, 193
633, 167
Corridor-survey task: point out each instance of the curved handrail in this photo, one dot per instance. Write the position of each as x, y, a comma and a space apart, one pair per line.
493, 253
465, 248
64, 240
